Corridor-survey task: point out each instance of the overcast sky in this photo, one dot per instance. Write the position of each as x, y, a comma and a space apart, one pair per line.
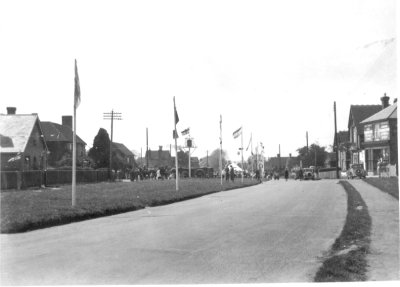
273, 67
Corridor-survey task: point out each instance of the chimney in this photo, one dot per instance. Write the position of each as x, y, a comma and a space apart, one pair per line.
11, 110
67, 121
385, 101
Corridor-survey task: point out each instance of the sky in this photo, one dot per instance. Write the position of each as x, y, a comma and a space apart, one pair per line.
274, 68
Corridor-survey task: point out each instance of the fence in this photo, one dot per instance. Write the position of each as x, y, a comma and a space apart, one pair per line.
37, 178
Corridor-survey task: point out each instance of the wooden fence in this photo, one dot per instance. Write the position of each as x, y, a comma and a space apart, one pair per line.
37, 178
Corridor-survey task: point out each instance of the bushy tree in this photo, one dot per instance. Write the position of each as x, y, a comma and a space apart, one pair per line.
100, 152
316, 155
213, 160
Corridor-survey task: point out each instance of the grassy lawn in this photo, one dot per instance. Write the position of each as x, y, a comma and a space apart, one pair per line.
347, 259
25, 210
386, 184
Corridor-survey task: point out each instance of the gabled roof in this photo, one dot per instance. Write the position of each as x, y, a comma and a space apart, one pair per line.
15, 131
388, 113
122, 148
358, 113
343, 137
58, 133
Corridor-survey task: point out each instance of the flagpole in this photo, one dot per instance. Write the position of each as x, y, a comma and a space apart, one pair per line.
242, 155
76, 98
220, 150
252, 157
74, 161
176, 151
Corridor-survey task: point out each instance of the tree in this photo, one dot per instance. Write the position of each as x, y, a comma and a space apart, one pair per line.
213, 160
315, 156
100, 152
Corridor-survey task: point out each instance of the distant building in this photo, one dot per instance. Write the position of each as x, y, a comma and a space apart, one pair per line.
158, 158
344, 151
380, 138
59, 139
22, 142
123, 154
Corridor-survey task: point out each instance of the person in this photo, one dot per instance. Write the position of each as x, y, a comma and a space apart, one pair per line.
258, 175
301, 174
232, 174
286, 174
227, 173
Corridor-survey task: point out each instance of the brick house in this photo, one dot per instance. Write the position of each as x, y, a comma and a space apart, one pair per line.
380, 138
124, 155
22, 142
59, 139
158, 158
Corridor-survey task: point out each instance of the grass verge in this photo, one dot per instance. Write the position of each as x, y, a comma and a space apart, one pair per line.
347, 258
25, 210
386, 184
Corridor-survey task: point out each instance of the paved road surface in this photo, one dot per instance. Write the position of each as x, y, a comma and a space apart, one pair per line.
274, 232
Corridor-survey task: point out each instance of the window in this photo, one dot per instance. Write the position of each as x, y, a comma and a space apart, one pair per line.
355, 135
377, 132
368, 134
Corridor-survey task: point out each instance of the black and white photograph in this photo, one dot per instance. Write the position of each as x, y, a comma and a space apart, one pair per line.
173, 142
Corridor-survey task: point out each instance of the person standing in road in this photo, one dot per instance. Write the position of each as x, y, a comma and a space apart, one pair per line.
232, 174
286, 174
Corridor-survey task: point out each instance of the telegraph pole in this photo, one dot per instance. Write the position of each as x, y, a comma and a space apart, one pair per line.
336, 143
147, 148
111, 116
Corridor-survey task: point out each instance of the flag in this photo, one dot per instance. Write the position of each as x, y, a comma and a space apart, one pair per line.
185, 132
176, 114
251, 138
237, 133
77, 98
175, 134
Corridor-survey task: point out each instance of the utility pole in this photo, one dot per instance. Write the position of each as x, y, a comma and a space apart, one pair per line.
336, 143
307, 141
111, 116
147, 148
207, 159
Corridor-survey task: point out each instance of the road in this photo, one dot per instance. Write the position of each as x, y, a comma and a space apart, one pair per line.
274, 232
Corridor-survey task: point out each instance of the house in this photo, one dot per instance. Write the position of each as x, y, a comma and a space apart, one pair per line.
59, 140
344, 151
158, 158
22, 142
358, 113
380, 138
124, 155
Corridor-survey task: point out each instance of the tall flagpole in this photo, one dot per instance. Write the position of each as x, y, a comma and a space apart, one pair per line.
176, 150
220, 143
242, 156
74, 161
77, 100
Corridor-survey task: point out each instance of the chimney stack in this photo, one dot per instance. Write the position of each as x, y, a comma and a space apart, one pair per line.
385, 101
67, 121
11, 110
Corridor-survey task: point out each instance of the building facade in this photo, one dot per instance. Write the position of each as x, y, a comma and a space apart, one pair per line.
59, 139
380, 139
22, 142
